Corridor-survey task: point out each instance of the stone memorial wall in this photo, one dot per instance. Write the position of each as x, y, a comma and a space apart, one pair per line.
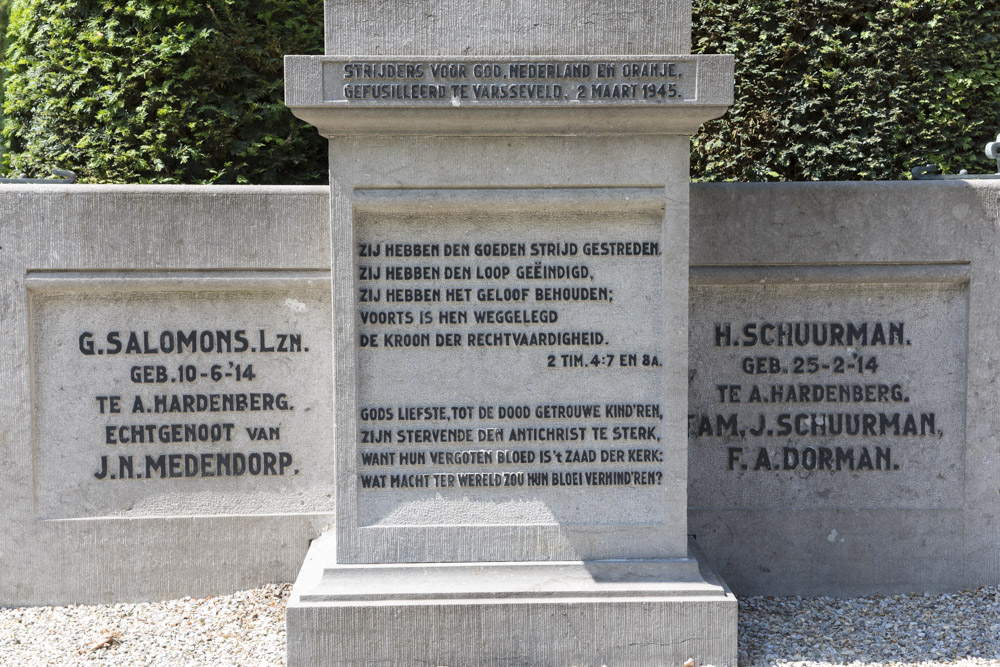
841, 421
915, 258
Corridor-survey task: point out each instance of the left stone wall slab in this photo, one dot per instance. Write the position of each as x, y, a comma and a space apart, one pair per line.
165, 296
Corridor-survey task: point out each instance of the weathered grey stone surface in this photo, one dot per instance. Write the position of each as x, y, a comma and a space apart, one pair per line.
85, 251
543, 498
494, 27
459, 134
180, 393
829, 386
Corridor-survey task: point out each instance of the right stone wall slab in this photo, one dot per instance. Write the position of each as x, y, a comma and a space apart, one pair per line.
842, 421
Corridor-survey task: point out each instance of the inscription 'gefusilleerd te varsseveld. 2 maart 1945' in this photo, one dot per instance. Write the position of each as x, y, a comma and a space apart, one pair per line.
529, 81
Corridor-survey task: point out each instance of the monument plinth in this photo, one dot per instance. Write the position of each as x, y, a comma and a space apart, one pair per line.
509, 254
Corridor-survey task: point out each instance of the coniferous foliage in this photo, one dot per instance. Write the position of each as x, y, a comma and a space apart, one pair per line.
190, 91
4, 18
850, 89
143, 91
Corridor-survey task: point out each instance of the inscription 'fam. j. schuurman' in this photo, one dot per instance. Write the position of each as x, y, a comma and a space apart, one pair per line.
219, 358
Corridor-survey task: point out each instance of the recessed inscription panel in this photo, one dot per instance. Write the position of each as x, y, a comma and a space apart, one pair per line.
827, 395
507, 82
510, 368
193, 399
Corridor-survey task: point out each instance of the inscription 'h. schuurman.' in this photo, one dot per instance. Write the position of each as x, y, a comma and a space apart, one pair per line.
804, 334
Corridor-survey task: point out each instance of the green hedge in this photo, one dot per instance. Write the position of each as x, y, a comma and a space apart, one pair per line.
144, 91
851, 89
190, 91
4, 17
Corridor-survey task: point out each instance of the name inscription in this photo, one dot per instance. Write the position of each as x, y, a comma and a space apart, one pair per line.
820, 373
193, 398
814, 394
217, 378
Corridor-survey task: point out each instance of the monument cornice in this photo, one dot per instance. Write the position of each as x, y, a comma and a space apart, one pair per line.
400, 96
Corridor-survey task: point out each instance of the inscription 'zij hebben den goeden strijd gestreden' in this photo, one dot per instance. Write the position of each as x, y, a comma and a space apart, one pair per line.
460, 82
506, 296
224, 368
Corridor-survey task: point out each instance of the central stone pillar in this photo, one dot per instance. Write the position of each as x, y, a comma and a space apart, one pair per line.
509, 211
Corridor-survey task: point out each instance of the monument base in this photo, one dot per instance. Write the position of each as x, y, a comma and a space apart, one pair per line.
650, 612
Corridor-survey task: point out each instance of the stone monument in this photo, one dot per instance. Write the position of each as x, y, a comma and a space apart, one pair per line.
509, 214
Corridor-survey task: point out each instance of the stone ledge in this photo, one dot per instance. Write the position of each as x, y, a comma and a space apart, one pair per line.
312, 91
583, 613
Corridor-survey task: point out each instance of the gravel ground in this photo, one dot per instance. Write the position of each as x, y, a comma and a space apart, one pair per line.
961, 628
247, 629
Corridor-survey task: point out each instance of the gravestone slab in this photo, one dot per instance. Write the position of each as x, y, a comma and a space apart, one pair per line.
509, 227
875, 477
927, 244
165, 281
